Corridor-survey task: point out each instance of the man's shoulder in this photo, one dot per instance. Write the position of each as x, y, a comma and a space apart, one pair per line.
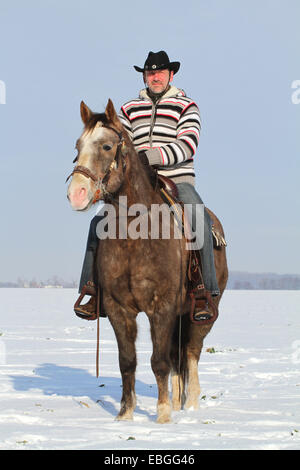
142, 98
178, 96
135, 105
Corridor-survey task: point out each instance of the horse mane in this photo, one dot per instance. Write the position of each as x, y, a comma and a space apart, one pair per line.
96, 117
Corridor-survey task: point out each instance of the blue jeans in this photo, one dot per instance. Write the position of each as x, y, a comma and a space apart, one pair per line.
87, 273
188, 195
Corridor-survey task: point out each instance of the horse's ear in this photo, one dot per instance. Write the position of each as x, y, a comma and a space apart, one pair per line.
110, 111
85, 113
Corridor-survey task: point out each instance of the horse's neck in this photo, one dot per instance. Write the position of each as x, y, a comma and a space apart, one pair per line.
137, 186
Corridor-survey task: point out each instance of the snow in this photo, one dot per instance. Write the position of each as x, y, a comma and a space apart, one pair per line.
50, 397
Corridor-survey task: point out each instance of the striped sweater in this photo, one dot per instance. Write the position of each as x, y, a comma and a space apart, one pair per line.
167, 131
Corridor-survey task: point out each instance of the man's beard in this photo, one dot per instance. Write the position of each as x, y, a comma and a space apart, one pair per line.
156, 96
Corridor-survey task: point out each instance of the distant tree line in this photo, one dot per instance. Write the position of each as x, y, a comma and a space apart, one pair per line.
249, 281
237, 281
54, 281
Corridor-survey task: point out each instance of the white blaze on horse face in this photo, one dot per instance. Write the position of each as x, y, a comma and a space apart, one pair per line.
87, 141
81, 188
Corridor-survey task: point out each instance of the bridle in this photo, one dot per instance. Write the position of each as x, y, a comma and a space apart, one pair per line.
101, 181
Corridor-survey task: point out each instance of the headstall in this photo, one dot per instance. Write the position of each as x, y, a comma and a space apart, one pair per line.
101, 181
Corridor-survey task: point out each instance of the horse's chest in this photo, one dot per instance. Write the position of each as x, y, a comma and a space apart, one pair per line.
125, 263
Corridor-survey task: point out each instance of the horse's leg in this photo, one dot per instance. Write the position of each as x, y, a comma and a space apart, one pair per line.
161, 333
193, 351
197, 333
193, 385
126, 330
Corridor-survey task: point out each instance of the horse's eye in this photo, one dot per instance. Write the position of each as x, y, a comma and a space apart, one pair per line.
107, 147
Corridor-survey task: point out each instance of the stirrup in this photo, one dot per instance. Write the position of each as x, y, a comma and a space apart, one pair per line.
90, 290
210, 315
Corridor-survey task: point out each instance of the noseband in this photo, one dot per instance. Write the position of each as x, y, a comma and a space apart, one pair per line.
101, 182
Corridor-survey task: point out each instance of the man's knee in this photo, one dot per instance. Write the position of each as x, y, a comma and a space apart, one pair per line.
188, 194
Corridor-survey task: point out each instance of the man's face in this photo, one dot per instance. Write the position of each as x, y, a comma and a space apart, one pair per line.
157, 80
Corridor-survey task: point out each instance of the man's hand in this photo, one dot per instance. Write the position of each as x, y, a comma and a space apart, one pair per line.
151, 172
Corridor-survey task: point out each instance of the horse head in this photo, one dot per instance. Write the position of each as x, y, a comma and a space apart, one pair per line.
100, 162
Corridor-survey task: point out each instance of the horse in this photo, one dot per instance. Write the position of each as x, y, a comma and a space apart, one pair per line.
141, 274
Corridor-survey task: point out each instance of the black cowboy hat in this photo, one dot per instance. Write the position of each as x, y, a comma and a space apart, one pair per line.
158, 61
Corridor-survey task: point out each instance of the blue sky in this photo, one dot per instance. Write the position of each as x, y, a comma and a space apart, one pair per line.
238, 62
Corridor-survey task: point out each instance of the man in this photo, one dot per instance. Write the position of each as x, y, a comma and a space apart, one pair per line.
164, 125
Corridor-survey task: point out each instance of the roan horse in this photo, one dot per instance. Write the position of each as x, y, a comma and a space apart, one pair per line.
142, 274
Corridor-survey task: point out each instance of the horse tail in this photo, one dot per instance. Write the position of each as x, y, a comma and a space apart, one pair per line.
179, 361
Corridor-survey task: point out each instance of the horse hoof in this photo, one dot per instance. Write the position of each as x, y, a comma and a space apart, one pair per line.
163, 414
176, 406
192, 404
163, 419
124, 418
126, 415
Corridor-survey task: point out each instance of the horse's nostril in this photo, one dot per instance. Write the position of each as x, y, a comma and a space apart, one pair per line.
82, 192
77, 196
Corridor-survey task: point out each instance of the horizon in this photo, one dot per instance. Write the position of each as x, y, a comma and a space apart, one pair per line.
59, 279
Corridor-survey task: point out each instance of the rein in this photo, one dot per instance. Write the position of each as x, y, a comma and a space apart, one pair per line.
101, 181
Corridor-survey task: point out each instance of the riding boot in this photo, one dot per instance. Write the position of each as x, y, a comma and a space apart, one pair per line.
204, 308
87, 284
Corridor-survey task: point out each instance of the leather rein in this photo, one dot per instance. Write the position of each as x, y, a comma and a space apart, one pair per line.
101, 181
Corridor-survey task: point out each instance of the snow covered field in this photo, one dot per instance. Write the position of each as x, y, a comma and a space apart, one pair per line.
50, 397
